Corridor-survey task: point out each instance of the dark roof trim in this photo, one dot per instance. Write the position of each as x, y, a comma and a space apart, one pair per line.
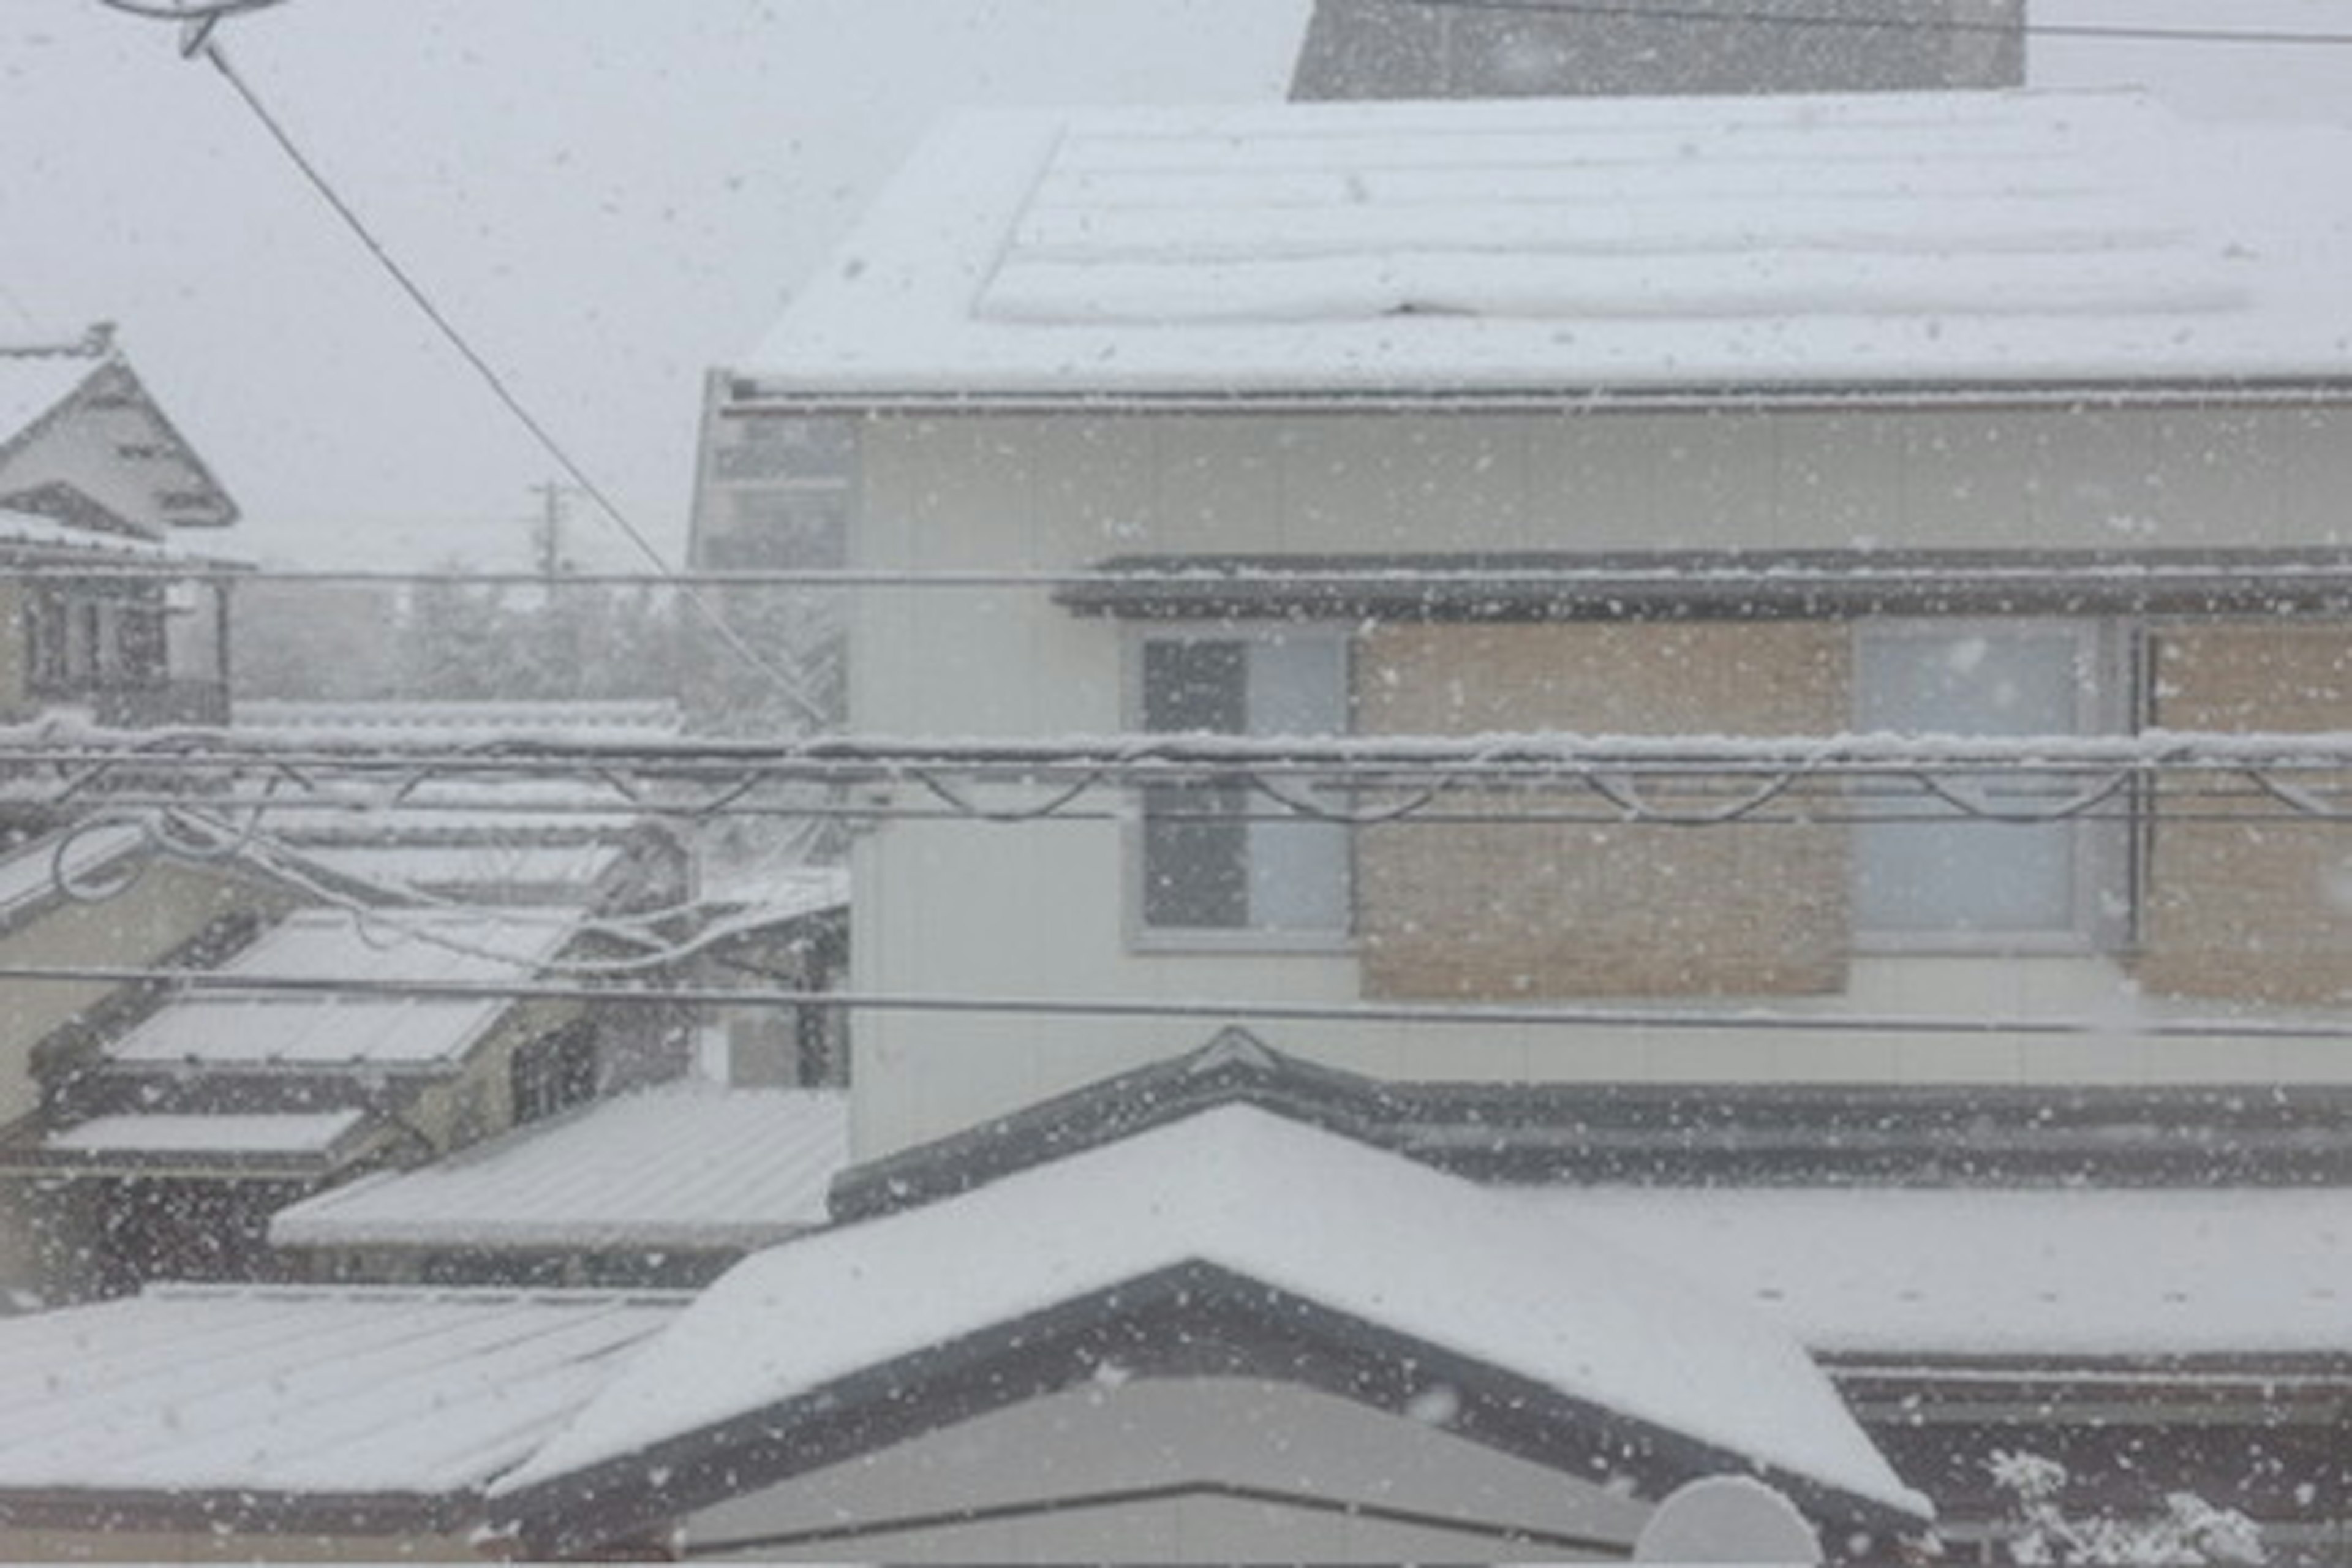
1783, 1135
749, 397
240, 1508
1747, 586
1193, 1319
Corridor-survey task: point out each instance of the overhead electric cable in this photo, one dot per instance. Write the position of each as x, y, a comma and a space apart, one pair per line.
199, 982
200, 19
1823, 20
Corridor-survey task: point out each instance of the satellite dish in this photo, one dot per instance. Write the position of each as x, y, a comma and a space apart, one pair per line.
1727, 1519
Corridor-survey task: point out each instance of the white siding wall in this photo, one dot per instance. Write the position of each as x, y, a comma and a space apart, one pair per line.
958, 907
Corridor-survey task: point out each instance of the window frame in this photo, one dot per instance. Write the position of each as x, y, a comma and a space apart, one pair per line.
1143, 936
2108, 890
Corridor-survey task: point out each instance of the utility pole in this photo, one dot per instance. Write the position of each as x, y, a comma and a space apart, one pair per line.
547, 533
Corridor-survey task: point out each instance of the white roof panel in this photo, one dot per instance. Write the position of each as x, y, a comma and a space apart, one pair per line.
265, 1388
418, 946
29, 877
1944, 238
685, 1165
305, 1031
288, 1132
374, 955
488, 865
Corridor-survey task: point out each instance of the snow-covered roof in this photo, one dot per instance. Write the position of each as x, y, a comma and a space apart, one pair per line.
2058, 1271
1685, 244
488, 865
381, 950
30, 530
685, 1165
268, 1389
1368, 1236
457, 723
298, 1132
32, 384
778, 892
29, 876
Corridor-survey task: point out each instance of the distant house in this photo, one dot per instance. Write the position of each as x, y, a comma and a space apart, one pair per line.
170, 1126
97, 899
93, 472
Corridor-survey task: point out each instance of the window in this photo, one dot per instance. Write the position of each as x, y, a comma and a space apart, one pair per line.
554, 1072
1922, 882
1218, 858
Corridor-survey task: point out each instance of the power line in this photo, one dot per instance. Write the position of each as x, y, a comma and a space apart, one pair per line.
199, 21
1821, 20
196, 982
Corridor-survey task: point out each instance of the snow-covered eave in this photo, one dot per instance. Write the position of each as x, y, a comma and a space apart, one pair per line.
756, 395
575, 1236
1065, 1346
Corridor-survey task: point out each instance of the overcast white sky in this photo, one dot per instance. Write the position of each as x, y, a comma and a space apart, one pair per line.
609, 196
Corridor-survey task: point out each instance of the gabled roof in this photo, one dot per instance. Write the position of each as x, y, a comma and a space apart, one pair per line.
1860, 1136
684, 1167
1232, 1233
35, 382
43, 384
283, 1408
1873, 244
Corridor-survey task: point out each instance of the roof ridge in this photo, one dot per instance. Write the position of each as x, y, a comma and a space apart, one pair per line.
97, 342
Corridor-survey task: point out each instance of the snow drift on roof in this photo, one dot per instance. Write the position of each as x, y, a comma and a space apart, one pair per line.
687, 1166
1365, 1233
275, 1389
1687, 242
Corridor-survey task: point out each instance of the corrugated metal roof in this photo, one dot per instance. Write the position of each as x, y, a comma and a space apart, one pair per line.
270, 1389
379, 952
184, 1133
484, 866
685, 1165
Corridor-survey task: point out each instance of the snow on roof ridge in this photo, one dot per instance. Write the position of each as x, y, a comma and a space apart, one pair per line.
1239, 1188
97, 342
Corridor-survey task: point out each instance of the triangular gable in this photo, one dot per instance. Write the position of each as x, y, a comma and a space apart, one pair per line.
1849, 1136
1231, 1241
82, 441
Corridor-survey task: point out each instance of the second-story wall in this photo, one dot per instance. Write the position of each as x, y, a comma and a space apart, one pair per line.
959, 908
